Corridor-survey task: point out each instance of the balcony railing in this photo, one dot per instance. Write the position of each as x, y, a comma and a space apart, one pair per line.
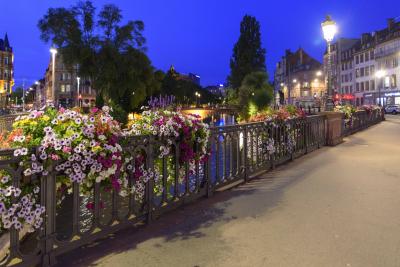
386, 52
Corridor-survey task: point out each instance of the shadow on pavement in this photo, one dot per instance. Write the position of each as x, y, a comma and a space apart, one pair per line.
189, 221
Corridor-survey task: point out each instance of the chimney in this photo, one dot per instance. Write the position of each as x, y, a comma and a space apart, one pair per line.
390, 23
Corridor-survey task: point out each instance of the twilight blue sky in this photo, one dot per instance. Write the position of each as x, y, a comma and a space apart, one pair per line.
198, 35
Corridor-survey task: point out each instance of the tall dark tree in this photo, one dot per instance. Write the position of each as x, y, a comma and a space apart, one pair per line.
109, 53
248, 54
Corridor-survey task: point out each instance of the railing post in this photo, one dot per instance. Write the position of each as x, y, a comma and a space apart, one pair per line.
333, 128
306, 134
246, 160
150, 183
49, 194
208, 167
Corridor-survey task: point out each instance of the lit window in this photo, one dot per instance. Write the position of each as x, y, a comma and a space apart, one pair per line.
387, 82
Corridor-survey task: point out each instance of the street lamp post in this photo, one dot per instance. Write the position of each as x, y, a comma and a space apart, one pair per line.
380, 74
23, 95
38, 94
197, 94
53, 52
78, 80
329, 30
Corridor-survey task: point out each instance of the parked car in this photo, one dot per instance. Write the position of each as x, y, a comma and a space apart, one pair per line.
394, 109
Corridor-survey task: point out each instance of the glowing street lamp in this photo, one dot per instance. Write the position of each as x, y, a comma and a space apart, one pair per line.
329, 30
197, 94
380, 74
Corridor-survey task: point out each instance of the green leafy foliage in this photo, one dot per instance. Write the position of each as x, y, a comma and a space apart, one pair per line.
109, 53
255, 91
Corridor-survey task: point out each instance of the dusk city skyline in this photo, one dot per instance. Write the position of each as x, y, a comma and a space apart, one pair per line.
199, 37
199, 133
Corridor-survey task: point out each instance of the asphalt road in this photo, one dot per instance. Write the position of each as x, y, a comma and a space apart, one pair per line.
337, 206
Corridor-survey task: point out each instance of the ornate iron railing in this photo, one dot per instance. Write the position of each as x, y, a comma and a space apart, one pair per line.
238, 153
361, 120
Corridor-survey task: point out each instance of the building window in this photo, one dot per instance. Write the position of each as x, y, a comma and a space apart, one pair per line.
372, 85
357, 60
351, 76
372, 69
395, 63
5, 74
6, 60
62, 88
393, 82
366, 56
357, 87
351, 89
367, 86
367, 71
68, 88
371, 54
361, 58
357, 73
362, 72
362, 87
387, 82
387, 63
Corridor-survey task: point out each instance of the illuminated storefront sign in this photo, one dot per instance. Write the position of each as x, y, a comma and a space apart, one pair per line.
393, 94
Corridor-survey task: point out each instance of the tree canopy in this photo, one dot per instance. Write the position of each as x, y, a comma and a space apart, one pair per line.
109, 53
248, 55
184, 90
254, 92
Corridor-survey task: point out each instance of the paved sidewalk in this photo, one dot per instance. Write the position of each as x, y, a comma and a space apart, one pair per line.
337, 206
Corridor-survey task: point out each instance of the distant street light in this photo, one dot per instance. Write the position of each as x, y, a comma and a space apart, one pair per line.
197, 94
380, 74
319, 73
53, 52
78, 80
329, 30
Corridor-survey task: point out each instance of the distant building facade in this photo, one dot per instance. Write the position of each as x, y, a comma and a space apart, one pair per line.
217, 90
355, 63
190, 77
66, 86
6, 70
299, 79
387, 59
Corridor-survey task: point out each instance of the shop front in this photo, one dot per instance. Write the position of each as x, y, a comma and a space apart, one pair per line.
386, 98
344, 99
392, 98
